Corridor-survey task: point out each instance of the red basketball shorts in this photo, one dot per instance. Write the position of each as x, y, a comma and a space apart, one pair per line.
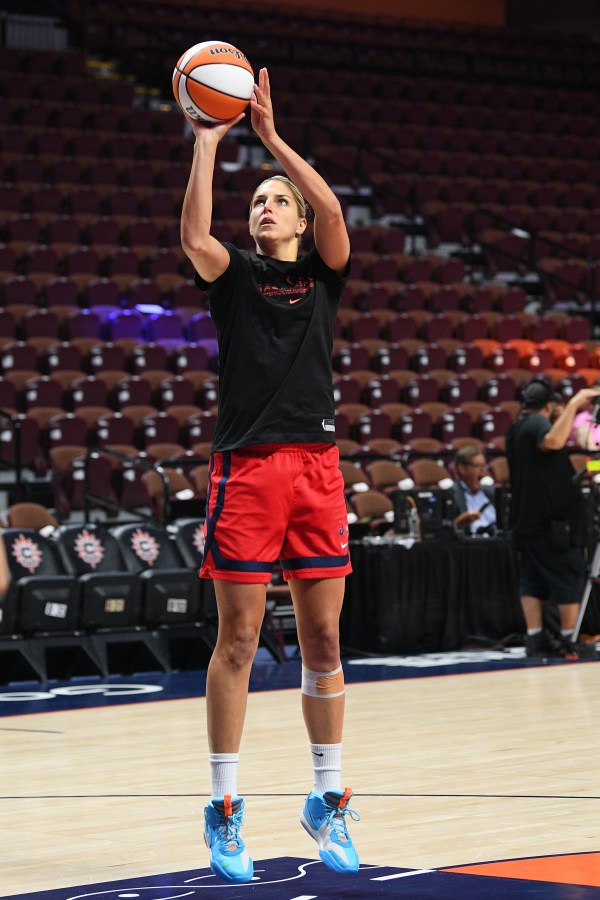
276, 503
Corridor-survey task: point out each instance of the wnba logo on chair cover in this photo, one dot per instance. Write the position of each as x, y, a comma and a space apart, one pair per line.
27, 553
145, 547
89, 549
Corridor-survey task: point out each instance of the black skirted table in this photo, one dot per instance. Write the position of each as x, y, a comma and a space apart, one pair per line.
435, 596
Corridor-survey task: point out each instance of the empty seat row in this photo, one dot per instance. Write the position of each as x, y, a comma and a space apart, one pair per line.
389, 475
120, 478
45, 360
90, 356
106, 322
85, 199
375, 266
430, 326
90, 291
100, 260
45, 366
86, 577
406, 448
29, 439
113, 390
557, 357
67, 87
372, 390
126, 226
77, 116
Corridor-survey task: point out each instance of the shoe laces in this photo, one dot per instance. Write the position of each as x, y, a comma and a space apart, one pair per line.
336, 817
229, 830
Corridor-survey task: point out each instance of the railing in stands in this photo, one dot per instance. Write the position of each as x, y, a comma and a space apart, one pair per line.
16, 423
161, 469
590, 293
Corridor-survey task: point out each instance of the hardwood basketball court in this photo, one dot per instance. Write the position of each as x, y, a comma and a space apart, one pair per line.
450, 772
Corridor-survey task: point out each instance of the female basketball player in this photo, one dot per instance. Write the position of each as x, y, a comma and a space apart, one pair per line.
276, 493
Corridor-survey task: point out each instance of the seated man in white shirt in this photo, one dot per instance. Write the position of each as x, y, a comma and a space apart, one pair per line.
474, 502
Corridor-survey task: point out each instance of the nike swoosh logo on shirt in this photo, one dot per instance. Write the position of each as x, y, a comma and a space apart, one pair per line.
295, 301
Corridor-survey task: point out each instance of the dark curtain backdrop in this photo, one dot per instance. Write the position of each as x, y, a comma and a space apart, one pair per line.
435, 597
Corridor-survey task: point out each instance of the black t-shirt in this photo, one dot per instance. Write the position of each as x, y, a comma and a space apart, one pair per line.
542, 487
274, 323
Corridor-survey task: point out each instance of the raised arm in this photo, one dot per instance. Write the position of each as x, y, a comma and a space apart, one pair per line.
208, 256
558, 435
330, 233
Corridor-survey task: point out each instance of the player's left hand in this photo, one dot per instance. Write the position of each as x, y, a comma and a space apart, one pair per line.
262, 108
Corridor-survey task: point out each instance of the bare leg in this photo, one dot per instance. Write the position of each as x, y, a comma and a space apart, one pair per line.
568, 615
241, 609
318, 604
532, 611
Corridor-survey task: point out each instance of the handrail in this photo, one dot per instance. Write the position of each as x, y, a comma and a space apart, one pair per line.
135, 461
17, 423
534, 235
590, 293
88, 493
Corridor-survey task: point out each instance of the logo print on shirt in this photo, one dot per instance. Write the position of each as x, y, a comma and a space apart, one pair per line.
292, 290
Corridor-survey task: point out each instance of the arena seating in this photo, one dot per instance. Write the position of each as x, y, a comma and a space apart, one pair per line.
99, 310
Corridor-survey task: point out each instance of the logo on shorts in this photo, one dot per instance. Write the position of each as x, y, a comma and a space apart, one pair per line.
328, 425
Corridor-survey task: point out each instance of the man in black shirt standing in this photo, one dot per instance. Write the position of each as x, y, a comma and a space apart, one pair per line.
547, 516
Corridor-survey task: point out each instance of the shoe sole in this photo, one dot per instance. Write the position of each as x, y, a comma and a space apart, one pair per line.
329, 859
225, 876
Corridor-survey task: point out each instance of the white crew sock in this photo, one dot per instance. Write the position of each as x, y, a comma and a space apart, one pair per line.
532, 631
327, 766
223, 773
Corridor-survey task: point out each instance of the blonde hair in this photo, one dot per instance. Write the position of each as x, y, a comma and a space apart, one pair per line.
296, 194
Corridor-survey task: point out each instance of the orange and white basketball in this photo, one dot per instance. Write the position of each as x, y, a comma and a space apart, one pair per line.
213, 81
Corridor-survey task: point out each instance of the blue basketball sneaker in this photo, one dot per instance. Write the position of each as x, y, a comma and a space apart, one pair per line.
228, 857
324, 817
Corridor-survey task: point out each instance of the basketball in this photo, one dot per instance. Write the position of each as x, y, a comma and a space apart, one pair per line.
213, 81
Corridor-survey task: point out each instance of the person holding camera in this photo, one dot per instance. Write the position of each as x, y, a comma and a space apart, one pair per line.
585, 432
548, 517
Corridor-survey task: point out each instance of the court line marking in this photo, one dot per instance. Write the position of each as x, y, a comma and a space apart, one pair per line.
404, 874
301, 874
448, 671
487, 862
34, 730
